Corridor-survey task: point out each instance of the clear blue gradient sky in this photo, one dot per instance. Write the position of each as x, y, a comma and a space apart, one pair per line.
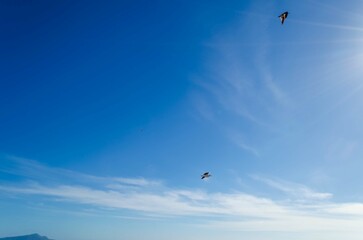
111, 110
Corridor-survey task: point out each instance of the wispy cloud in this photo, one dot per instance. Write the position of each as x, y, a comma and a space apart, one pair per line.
239, 77
236, 87
238, 139
35, 171
295, 190
228, 210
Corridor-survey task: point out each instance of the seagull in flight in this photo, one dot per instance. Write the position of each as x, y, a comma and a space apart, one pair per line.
205, 175
283, 16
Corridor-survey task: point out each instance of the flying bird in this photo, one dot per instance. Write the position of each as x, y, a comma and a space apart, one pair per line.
283, 16
205, 175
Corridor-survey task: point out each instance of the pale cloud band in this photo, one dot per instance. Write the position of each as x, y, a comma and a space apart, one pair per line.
227, 210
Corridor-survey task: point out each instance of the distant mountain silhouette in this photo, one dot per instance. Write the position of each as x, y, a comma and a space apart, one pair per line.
27, 237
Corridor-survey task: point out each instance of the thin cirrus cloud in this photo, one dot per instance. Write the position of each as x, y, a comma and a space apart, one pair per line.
236, 89
295, 190
35, 171
227, 210
236, 75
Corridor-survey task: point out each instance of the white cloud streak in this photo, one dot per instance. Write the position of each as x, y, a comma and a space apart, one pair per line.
227, 210
295, 190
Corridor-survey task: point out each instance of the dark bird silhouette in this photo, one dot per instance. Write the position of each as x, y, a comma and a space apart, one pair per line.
205, 175
283, 16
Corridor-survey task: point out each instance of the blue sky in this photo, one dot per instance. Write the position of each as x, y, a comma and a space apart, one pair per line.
110, 111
